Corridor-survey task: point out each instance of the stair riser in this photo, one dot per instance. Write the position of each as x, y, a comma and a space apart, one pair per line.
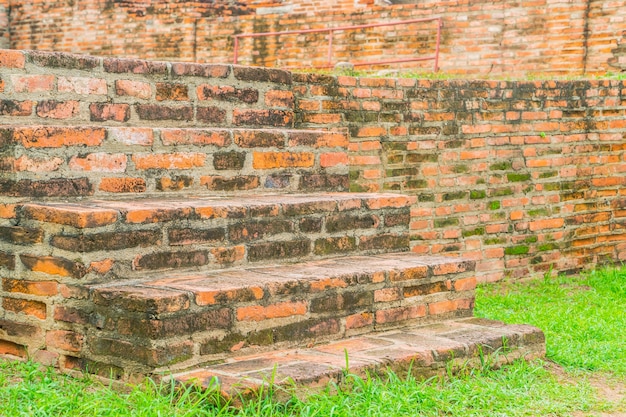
182, 238
66, 162
186, 329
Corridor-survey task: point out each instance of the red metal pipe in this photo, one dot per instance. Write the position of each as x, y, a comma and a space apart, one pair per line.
439, 25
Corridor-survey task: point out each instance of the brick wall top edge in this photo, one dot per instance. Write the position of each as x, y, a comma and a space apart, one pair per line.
64, 60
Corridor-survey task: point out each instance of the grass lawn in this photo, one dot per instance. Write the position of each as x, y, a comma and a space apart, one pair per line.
583, 317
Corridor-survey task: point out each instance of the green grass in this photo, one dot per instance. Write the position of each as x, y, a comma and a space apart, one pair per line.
582, 319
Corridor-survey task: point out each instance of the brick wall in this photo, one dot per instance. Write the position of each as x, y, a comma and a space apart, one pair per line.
479, 37
521, 176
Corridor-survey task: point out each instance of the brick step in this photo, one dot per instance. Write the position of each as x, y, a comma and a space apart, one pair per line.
97, 241
60, 162
423, 350
177, 320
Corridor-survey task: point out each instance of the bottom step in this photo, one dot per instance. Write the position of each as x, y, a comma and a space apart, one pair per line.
423, 350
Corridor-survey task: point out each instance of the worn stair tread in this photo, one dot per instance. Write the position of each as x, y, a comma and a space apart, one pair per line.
91, 213
258, 282
425, 350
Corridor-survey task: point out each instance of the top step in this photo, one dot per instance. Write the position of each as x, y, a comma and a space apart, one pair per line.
59, 88
60, 162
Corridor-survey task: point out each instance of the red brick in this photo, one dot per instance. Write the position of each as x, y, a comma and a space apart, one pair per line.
546, 224
99, 162
131, 135
398, 314
71, 215
32, 83
82, 85
12, 59
279, 98
15, 108
57, 109
357, 321
216, 137
123, 185
101, 112
65, 340
171, 91
333, 159
10, 348
57, 137
137, 89
169, 161
280, 310
27, 307
52, 265
42, 288
270, 160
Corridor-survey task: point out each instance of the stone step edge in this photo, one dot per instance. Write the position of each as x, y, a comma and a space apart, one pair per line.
424, 351
145, 135
172, 288
92, 213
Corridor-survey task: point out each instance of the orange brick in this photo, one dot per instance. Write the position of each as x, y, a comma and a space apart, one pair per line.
326, 283
101, 267
7, 211
12, 59
28, 307
43, 288
64, 340
400, 314
32, 83
280, 310
132, 135
387, 294
195, 137
10, 348
122, 185
546, 224
71, 216
99, 162
169, 160
279, 98
371, 131
356, 321
269, 160
137, 89
333, 159
57, 137
465, 284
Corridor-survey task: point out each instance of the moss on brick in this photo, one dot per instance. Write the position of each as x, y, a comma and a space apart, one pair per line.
516, 177
517, 250
446, 222
474, 232
501, 192
548, 174
494, 241
457, 195
530, 239
460, 169
477, 194
500, 166
547, 246
494, 205
539, 212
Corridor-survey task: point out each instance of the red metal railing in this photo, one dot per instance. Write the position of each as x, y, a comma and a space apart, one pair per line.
331, 31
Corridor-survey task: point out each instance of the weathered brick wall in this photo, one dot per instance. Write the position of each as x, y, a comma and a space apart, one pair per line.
479, 37
77, 126
521, 176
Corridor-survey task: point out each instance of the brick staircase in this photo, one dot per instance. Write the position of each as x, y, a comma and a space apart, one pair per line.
151, 239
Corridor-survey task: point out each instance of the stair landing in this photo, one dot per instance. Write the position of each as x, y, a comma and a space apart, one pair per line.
422, 350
